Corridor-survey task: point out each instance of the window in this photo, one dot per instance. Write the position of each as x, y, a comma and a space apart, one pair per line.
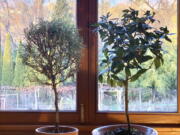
33, 105
17, 91
155, 91
89, 107
143, 110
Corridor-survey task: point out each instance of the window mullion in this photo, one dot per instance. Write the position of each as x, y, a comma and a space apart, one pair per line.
93, 14
82, 83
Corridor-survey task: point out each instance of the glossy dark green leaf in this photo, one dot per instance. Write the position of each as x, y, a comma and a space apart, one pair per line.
131, 45
110, 40
168, 39
104, 61
128, 72
102, 34
144, 58
165, 30
147, 13
104, 25
126, 10
117, 67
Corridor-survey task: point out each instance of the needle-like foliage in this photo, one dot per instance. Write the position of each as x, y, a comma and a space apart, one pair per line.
53, 49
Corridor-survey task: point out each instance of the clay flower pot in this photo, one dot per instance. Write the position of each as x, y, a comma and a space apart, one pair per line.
143, 129
48, 130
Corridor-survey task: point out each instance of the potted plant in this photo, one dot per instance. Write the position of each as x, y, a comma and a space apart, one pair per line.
132, 46
53, 50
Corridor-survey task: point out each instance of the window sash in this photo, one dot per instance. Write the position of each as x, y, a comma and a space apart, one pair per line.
87, 13
48, 117
119, 117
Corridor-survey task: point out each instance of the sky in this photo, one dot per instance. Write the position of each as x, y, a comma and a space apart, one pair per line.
113, 2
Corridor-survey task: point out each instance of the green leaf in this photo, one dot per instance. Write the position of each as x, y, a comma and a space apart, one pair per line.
104, 61
118, 68
105, 52
138, 74
116, 65
126, 10
115, 77
162, 60
104, 25
100, 77
95, 25
144, 58
111, 82
165, 30
168, 39
157, 62
110, 40
148, 13
128, 72
102, 34
126, 51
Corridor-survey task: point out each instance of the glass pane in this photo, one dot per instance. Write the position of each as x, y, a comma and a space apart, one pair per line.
18, 91
155, 91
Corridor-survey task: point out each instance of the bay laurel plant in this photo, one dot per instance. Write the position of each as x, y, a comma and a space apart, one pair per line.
53, 50
131, 46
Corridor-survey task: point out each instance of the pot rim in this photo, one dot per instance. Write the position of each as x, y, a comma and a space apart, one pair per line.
43, 127
116, 125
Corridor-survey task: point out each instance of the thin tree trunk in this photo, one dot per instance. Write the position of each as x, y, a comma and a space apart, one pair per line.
56, 107
126, 105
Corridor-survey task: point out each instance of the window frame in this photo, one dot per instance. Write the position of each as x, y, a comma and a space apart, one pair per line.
87, 14
119, 117
48, 117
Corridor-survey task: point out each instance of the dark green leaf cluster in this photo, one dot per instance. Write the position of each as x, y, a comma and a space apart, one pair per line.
131, 45
53, 48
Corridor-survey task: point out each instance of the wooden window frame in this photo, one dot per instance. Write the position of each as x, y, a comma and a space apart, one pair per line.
48, 117
87, 14
110, 117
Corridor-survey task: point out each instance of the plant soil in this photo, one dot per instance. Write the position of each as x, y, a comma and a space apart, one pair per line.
61, 130
124, 131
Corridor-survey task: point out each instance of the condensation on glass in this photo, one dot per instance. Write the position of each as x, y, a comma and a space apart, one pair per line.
155, 91
17, 91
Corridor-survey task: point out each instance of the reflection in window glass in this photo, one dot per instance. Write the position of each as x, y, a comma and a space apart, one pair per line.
155, 91
17, 90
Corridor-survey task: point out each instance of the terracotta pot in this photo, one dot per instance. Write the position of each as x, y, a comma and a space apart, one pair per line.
47, 130
144, 129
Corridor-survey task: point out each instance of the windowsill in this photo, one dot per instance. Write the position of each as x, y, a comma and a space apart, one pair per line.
83, 129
